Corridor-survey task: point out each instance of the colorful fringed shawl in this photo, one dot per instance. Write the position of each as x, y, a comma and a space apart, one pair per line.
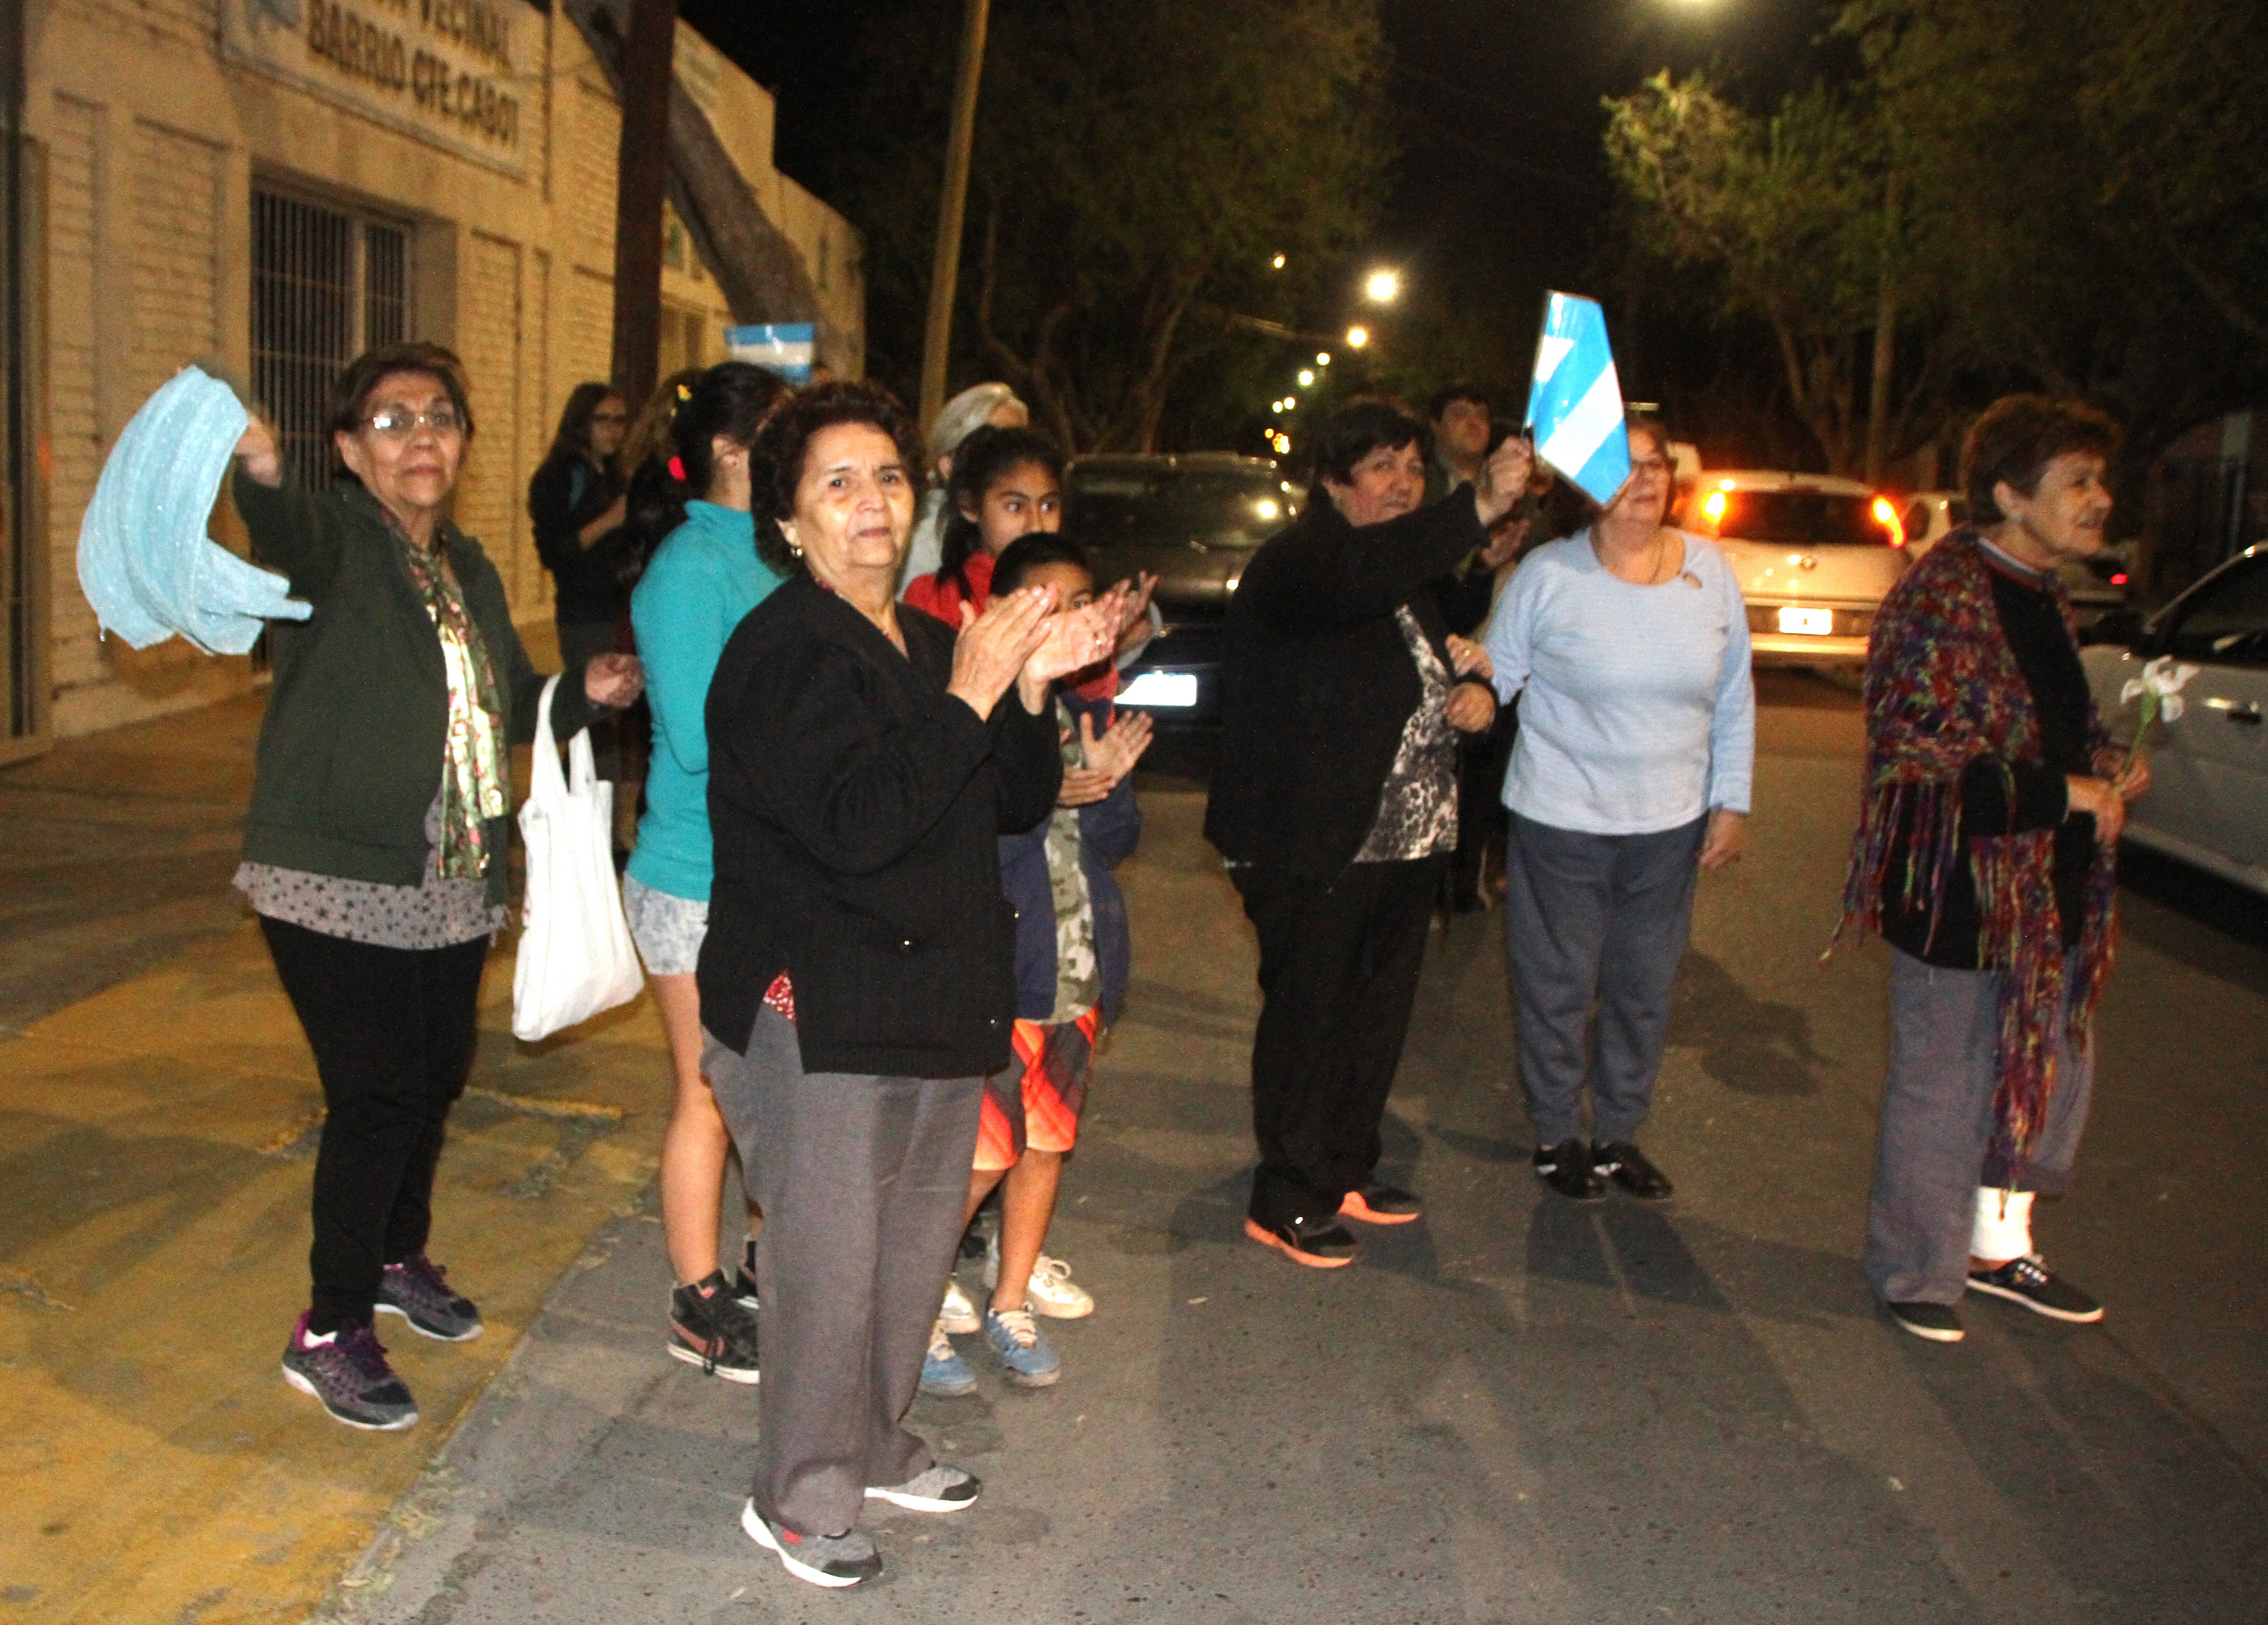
1943, 689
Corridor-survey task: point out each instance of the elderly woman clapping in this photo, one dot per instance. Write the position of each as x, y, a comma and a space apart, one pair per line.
374, 849
857, 978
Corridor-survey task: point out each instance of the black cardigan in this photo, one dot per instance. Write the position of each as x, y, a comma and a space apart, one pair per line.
856, 808
1318, 683
588, 580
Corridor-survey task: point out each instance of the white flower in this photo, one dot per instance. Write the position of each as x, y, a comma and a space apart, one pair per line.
2163, 679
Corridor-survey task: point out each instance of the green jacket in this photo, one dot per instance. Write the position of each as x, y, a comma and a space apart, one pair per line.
351, 751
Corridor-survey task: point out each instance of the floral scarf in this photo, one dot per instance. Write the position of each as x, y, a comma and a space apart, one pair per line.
475, 777
1943, 689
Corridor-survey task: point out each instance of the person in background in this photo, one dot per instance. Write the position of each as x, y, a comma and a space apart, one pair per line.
651, 473
857, 975
1987, 858
576, 507
1457, 418
1335, 805
374, 846
1628, 644
703, 579
1006, 483
1073, 957
980, 406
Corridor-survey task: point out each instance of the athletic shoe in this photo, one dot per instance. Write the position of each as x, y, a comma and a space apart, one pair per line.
938, 1489
347, 1371
944, 1374
417, 1290
1627, 1167
2027, 1281
1031, 1362
709, 1328
1941, 1323
834, 1561
1318, 1243
744, 1277
1380, 1205
1050, 1291
1567, 1168
958, 1315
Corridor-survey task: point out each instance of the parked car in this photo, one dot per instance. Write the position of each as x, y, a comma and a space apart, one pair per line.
1192, 520
2097, 585
1814, 555
2208, 800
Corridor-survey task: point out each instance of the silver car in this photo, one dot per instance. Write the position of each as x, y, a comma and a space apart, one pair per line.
1814, 555
2208, 800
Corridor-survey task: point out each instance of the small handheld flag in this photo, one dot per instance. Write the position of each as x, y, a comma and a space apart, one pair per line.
1575, 405
785, 348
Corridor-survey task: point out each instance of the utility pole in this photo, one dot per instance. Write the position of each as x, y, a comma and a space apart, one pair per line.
1886, 338
944, 272
641, 170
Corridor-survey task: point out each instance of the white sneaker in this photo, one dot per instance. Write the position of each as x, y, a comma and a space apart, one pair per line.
1052, 1292
959, 1315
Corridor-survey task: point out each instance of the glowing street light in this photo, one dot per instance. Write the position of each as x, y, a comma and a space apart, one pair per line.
1278, 262
1291, 404
1357, 337
1276, 406
1307, 375
1382, 287
1322, 357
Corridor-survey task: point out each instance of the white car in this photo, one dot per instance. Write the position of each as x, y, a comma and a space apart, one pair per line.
2096, 584
2208, 798
1813, 554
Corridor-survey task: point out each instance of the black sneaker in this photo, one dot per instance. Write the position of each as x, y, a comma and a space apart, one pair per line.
347, 1371
744, 1277
2027, 1281
1940, 1323
709, 1328
1318, 1243
417, 1290
1627, 1167
1567, 1168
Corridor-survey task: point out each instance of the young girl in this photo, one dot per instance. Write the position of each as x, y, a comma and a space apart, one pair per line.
1072, 959
705, 577
1006, 483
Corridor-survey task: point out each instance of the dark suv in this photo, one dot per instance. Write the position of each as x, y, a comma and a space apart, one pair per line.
1192, 519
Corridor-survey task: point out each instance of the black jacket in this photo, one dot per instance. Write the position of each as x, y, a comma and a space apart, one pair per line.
359, 715
566, 494
1317, 683
856, 808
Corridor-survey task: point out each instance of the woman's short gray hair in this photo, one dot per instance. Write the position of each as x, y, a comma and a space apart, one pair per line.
964, 415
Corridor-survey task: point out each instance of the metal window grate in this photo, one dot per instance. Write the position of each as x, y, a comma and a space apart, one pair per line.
326, 285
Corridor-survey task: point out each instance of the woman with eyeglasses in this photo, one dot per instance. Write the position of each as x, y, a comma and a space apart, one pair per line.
374, 849
1630, 774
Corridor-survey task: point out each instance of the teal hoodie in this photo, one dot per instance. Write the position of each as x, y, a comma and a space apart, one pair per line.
704, 578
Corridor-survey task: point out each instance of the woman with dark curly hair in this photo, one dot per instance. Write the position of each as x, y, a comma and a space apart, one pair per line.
858, 976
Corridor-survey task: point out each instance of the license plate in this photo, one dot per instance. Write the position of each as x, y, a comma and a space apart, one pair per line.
1810, 622
1165, 690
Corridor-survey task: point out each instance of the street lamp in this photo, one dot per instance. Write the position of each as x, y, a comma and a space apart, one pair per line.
1357, 337
1322, 357
1307, 375
1382, 287
1278, 262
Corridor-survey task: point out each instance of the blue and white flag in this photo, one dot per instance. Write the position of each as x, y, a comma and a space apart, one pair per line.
1575, 405
785, 348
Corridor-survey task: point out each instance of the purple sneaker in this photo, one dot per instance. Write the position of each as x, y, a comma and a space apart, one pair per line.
417, 1290
347, 1371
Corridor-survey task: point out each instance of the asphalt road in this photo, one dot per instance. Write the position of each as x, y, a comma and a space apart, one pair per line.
1517, 1409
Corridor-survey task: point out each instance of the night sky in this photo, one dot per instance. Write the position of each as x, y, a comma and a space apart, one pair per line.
1502, 179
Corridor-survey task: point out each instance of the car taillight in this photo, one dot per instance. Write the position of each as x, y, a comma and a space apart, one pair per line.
2120, 580
1887, 517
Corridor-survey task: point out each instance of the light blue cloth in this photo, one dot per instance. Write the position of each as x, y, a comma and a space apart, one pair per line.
145, 561
1639, 712
1575, 403
703, 580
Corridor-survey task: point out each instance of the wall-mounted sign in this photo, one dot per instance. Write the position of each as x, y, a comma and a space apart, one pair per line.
451, 72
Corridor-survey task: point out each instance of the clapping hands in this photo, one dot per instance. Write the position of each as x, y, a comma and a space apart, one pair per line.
1108, 759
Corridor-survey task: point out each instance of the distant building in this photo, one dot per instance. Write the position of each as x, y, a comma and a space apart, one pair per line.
268, 186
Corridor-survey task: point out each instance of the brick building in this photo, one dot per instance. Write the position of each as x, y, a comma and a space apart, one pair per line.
266, 187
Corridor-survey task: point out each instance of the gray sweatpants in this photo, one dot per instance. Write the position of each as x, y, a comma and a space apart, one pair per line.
1936, 1129
1604, 918
862, 1180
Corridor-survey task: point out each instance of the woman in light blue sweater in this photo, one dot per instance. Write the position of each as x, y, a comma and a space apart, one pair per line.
703, 579
1630, 773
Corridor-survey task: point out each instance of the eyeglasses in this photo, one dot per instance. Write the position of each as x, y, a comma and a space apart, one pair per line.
1648, 465
399, 423
610, 417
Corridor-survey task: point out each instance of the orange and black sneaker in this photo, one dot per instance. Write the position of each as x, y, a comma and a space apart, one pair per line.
1318, 1243
709, 1328
1375, 1203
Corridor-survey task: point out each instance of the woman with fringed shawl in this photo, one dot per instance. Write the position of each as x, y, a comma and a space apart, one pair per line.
1985, 858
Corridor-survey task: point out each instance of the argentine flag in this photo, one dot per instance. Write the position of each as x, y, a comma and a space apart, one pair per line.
1575, 405
784, 348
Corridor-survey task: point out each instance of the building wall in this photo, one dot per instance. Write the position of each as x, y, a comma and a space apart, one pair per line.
156, 140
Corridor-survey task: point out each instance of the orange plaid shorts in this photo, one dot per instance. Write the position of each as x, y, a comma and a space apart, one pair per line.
1037, 1103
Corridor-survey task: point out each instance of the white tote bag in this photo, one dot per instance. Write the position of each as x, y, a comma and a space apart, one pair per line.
575, 956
